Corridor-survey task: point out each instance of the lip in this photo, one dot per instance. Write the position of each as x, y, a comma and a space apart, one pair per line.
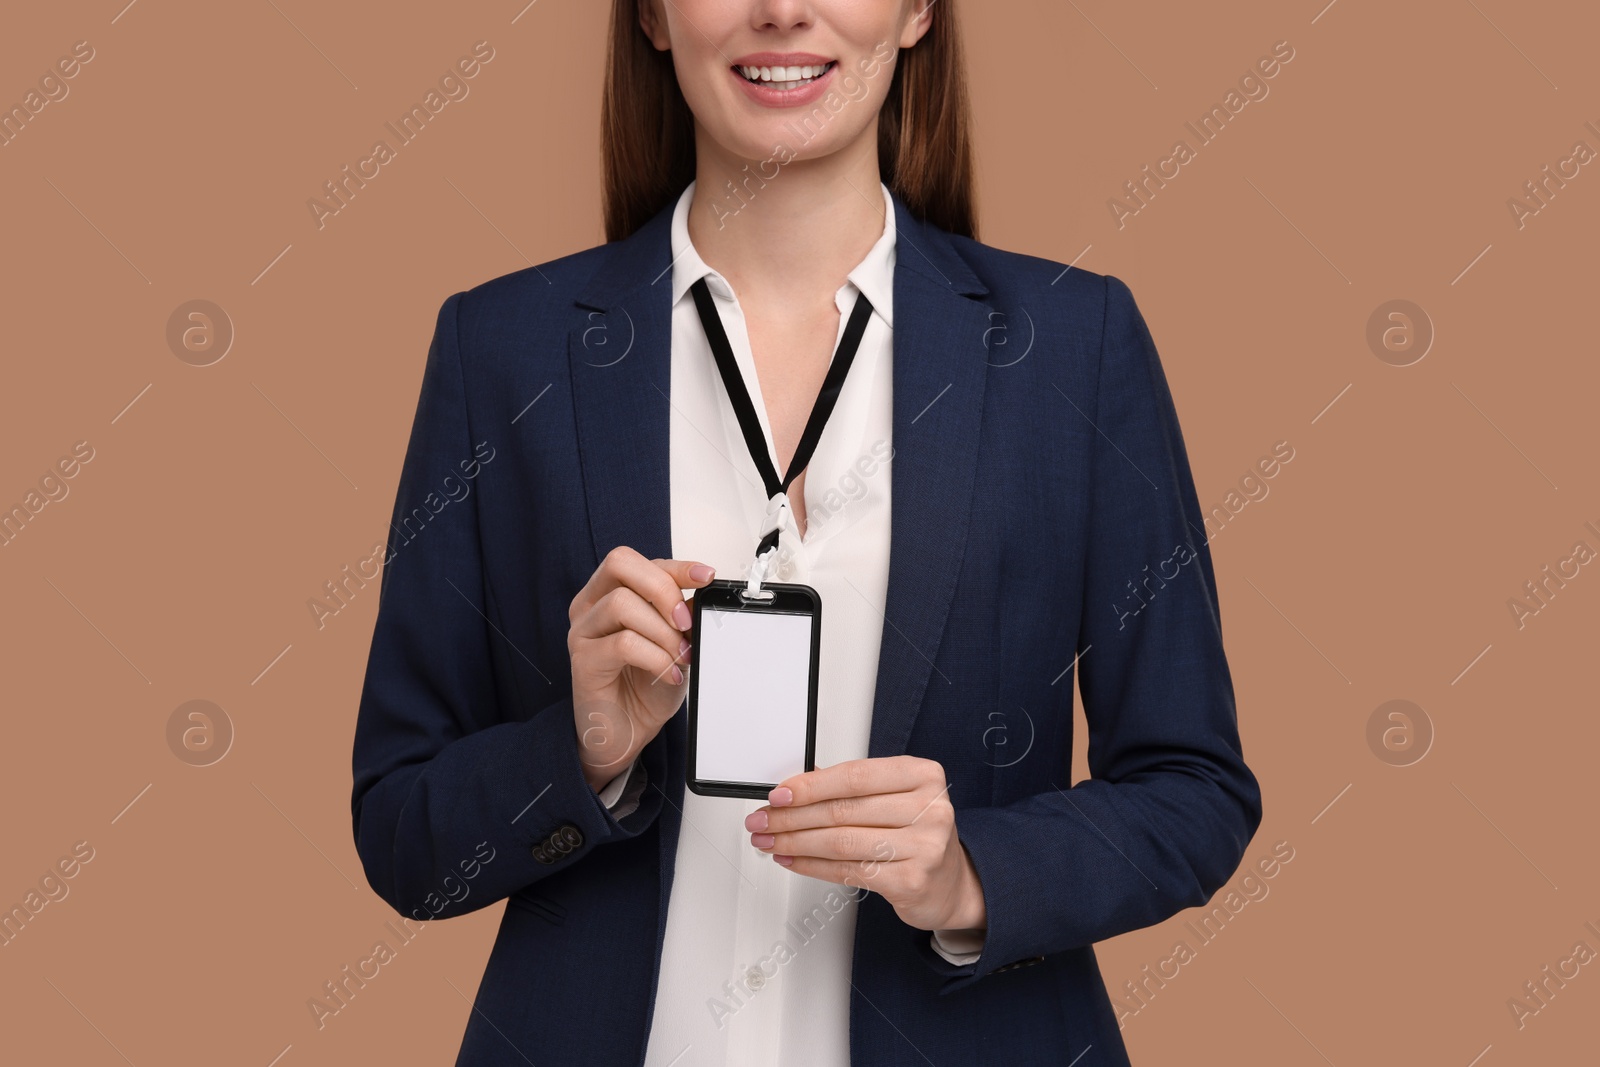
781, 59
769, 97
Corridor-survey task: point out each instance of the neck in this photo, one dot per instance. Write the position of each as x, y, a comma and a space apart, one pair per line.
794, 236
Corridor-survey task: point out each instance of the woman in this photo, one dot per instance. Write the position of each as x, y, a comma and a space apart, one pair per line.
1000, 498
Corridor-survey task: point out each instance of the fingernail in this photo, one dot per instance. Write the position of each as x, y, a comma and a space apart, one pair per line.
787, 861
677, 675
683, 646
680, 615
700, 572
756, 820
780, 796
762, 840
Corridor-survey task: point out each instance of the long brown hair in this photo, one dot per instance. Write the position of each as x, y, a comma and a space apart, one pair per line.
924, 130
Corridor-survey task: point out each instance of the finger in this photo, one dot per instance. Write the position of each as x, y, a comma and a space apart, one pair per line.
659, 581
867, 877
624, 609
859, 777
605, 578
876, 809
687, 573
861, 844
632, 649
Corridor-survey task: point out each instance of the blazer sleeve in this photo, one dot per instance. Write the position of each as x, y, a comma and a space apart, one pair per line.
448, 768
1170, 806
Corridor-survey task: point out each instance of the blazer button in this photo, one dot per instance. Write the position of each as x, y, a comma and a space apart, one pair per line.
571, 835
540, 854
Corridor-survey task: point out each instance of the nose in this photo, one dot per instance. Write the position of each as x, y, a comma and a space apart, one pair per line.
781, 15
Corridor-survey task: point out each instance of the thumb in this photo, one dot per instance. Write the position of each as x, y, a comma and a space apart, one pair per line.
689, 574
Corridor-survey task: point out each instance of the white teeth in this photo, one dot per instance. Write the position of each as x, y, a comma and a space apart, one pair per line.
784, 77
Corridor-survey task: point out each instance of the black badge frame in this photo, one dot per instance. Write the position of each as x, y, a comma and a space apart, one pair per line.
786, 599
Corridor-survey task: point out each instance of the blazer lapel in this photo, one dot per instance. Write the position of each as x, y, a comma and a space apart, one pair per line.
939, 364
619, 347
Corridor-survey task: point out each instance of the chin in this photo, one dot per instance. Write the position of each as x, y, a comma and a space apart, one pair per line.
758, 142
800, 141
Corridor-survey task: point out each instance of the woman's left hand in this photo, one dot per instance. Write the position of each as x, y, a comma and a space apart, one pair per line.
884, 824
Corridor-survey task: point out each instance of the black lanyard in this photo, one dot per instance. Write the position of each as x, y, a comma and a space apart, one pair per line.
746, 411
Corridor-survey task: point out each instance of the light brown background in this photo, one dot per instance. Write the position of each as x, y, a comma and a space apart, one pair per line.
1419, 899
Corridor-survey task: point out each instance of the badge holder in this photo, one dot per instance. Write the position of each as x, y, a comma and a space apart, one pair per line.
752, 684
756, 645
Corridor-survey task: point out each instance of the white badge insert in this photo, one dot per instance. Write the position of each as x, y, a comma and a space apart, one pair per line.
752, 686
755, 669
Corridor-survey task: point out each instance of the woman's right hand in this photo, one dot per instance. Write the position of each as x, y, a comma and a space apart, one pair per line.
628, 637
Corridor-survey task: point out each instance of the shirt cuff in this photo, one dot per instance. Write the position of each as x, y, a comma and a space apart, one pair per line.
618, 797
960, 947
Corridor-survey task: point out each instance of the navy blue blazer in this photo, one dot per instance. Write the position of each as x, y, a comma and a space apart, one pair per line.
1044, 520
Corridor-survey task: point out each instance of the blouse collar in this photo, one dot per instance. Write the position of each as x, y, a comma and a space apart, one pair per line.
874, 275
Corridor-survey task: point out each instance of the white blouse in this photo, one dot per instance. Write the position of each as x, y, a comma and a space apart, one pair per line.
756, 964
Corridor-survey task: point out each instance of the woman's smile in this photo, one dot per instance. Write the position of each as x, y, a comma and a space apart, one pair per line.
787, 79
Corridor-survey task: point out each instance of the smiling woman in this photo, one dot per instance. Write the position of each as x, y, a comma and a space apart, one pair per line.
902, 898
809, 115
655, 99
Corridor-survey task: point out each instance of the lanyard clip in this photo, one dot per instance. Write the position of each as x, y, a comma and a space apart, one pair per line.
766, 561
759, 572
